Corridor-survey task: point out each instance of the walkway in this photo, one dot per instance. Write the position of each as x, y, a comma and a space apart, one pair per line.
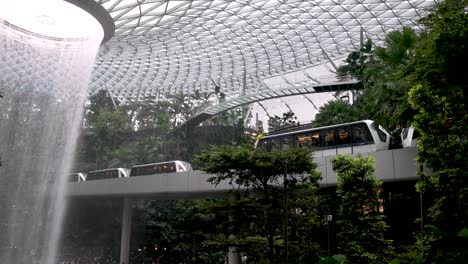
266, 95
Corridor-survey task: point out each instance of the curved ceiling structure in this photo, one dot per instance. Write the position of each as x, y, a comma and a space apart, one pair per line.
164, 47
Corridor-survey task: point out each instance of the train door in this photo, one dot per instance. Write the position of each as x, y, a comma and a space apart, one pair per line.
286, 142
309, 140
344, 141
329, 144
362, 141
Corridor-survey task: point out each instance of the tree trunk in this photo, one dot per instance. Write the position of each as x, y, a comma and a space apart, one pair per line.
270, 231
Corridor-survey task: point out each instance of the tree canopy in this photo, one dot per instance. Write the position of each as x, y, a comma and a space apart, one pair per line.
362, 227
438, 94
337, 112
262, 172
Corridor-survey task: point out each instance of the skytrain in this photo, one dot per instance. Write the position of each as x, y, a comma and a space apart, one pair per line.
139, 170
347, 138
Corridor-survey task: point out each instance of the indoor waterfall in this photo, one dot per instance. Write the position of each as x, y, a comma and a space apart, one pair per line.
46, 59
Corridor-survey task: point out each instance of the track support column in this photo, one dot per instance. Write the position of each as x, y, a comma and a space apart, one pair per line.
233, 253
126, 230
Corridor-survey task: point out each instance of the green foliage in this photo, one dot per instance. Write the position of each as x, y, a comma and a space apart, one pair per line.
182, 229
383, 76
261, 171
181, 108
445, 247
355, 64
287, 120
145, 131
150, 113
386, 92
362, 226
97, 102
257, 168
337, 112
438, 96
103, 138
336, 259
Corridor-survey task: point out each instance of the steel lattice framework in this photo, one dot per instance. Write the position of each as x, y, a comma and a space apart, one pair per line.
163, 47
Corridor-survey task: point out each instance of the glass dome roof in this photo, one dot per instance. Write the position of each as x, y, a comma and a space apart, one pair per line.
165, 47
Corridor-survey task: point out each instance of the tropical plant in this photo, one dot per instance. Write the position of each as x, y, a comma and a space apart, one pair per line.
97, 102
288, 119
438, 96
386, 93
337, 112
336, 259
260, 171
446, 247
361, 223
178, 233
355, 65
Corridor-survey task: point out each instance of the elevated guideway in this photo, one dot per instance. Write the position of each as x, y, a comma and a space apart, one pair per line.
391, 166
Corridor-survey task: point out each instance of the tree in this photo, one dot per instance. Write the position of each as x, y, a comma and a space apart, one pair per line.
439, 98
337, 112
97, 102
103, 137
150, 114
362, 226
177, 232
355, 65
386, 92
148, 149
383, 77
181, 108
287, 120
260, 171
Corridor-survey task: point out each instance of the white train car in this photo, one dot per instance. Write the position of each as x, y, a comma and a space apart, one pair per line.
347, 138
409, 137
160, 167
107, 174
77, 177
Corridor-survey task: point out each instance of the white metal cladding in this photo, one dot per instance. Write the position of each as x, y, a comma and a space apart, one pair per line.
163, 47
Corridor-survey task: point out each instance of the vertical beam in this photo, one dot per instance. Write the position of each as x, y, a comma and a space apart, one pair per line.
361, 39
126, 230
233, 253
111, 96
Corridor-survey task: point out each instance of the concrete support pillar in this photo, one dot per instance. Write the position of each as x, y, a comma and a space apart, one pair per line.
126, 230
233, 253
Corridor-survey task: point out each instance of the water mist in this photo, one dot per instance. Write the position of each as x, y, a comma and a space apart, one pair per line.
47, 52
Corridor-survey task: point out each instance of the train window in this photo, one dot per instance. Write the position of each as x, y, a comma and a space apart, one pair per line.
382, 135
275, 143
263, 143
344, 137
308, 140
405, 132
99, 175
73, 177
328, 137
286, 142
188, 166
361, 135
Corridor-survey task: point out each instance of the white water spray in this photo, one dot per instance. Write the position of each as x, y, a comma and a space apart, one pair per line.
47, 52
